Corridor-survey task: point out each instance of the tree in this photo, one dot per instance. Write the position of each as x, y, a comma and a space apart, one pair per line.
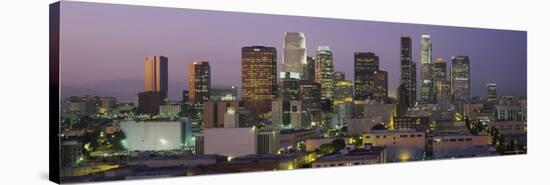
339, 144
326, 148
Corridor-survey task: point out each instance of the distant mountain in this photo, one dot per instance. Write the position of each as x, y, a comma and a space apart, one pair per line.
123, 89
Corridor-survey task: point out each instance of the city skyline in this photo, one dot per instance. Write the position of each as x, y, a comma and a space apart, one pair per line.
222, 92
485, 47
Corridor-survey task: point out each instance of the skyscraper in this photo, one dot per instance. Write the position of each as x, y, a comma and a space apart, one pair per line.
460, 78
324, 71
309, 70
402, 100
156, 74
294, 56
426, 85
343, 92
408, 72
310, 95
199, 82
259, 78
156, 85
289, 86
380, 85
439, 70
441, 85
492, 95
365, 65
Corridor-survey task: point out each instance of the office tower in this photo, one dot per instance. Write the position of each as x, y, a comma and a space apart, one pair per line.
324, 71
294, 56
439, 70
443, 98
309, 70
365, 64
289, 86
199, 82
380, 85
492, 95
460, 78
402, 100
156, 85
221, 114
441, 85
426, 76
343, 92
156, 74
259, 78
310, 95
408, 71
339, 76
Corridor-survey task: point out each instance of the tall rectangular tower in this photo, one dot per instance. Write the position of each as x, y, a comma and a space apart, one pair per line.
365, 65
294, 56
259, 78
460, 78
199, 82
156, 74
408, 72
426, 75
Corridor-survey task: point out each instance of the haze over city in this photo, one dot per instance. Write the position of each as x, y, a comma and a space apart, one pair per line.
103, 47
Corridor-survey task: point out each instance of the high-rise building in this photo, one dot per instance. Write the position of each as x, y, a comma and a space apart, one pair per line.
324, 71
443, 98
441, 84
343, 92
492, 95
310, 95
439, 70
365, 65
339, 76
426, 76
289, 86
199, 82
294, 56
259, 78
309, 70
408, 71
156, 74
460, 78
343, 102
380, 85
402, 100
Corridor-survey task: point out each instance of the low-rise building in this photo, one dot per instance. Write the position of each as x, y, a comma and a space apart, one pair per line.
359, 126
456, 144
370, 155
401, 145
152, 135
230, 142
508, 127
259, 162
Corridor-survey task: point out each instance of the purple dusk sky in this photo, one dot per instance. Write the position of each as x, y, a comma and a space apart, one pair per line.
103, 46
